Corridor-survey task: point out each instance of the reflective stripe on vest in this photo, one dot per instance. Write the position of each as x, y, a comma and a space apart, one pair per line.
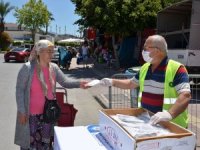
170, 94
169, 100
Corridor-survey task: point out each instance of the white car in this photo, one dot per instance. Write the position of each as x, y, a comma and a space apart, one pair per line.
55, 57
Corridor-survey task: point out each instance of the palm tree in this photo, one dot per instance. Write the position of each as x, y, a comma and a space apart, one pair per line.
5, 8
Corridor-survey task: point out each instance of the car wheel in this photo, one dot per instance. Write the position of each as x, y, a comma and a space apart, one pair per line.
6, 60
26, 59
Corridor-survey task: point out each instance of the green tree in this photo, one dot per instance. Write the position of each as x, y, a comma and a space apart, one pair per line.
165, 3
34, 15
5, 8
122, 17
119, 17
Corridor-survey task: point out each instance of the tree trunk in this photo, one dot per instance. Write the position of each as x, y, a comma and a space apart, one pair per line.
46, 29
2, 25
33, 36
115, 51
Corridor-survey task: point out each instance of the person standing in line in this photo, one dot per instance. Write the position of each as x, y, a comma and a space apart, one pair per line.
164, 87
37, 79
85, 53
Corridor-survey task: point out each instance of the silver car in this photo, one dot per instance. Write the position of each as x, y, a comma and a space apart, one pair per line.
55, 57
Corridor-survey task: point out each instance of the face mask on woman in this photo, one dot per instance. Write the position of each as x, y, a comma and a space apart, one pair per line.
146, 57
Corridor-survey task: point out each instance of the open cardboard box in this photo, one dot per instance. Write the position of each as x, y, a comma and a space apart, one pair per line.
120, 139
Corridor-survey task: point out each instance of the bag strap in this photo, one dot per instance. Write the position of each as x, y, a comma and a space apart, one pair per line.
53, 85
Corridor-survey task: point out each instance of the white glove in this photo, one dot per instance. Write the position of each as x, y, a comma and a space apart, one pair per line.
160, 116
106, 82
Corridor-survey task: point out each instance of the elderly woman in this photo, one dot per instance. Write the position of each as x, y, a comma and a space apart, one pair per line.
37, 79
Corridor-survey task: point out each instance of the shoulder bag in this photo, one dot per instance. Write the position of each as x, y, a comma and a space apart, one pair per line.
51, 111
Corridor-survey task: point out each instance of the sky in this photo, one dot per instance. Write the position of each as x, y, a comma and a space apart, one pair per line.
63, 13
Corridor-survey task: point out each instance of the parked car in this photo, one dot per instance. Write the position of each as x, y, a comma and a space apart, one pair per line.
19, 54
132, 70
55, 57
30, 46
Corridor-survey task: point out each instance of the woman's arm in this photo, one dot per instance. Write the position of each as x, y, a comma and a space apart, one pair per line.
63, 81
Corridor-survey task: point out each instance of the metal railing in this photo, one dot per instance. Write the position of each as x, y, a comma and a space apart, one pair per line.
122, 98
194, 106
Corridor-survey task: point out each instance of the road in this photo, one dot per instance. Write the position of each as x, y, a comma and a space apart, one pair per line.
83, 100
8, 75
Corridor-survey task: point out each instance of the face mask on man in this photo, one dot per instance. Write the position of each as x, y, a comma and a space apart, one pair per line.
146, 57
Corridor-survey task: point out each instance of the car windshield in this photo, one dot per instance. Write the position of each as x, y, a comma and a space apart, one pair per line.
18, 49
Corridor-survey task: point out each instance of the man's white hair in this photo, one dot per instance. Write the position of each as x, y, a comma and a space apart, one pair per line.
159, 42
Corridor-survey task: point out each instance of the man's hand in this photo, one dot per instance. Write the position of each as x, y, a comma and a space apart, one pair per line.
160, 116
106, 82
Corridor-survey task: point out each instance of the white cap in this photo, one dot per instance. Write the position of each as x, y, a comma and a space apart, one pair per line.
42, 44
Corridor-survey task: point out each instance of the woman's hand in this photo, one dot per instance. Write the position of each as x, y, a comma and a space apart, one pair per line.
22, 118
83, 84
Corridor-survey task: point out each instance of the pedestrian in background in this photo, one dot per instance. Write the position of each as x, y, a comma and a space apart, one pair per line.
164, 87
85, 51
37, 79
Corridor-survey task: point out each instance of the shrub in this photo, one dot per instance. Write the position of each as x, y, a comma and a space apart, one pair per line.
17, 43
72, 44
5, 41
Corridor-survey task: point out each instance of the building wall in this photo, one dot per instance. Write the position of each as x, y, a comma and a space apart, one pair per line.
20, 35
17, 32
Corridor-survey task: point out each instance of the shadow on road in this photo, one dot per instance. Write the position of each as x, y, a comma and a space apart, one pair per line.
81, 73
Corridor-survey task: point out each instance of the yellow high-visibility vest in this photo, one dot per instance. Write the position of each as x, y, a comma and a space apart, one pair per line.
170, 94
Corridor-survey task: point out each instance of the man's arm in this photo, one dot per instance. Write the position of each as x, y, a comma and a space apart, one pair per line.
180, 104
181, 82
124, 84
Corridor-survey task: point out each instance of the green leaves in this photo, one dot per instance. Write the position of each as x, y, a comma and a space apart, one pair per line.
5, 8
33, 15
119, 16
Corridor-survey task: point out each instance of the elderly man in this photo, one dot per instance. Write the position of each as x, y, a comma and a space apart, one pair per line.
163, 84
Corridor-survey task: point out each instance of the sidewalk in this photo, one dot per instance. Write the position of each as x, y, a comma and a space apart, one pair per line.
88, 102
96, 71
104, 71
101, 70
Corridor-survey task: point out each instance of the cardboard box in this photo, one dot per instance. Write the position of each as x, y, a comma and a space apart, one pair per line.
75, 138
119, 138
